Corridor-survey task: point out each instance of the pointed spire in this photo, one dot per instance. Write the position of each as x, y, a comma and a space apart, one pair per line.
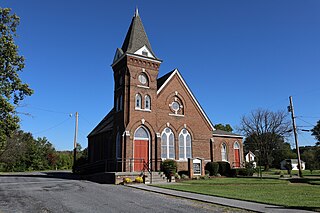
136, 13
136, 36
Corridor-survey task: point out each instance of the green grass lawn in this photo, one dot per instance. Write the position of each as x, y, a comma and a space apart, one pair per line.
271, 191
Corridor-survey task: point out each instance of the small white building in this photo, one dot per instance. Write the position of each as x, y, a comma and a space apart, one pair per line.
250, 157
294, 163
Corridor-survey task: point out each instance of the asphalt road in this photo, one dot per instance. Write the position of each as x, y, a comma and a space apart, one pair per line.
62, 192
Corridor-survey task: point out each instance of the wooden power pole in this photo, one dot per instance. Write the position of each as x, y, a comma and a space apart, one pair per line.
290, 109
75, 143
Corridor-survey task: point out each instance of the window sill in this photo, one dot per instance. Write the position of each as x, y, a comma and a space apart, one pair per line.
144, 110
145, 87
182, 160
177, 115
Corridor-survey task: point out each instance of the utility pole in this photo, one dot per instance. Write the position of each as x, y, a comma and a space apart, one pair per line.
75, 143
290, 109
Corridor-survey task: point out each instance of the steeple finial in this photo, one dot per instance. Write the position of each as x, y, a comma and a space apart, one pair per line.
136, 13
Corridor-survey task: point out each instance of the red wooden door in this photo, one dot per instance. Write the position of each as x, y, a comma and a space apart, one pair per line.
140, 154
237, 157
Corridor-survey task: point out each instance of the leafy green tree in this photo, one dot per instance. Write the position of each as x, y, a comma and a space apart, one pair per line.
310, 155
12, 89
64, 159
15, 151
316, 133
226, 127
264, 130
283, 152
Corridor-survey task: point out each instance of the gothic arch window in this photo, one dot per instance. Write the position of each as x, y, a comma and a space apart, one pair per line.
147, 102
224, 156
143, 79
141, 134
167, 144
236, 145
138, 101
184, 144
118, 146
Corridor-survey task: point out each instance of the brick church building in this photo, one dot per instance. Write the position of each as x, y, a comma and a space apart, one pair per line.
154, 118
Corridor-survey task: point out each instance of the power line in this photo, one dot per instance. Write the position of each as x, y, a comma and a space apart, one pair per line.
55, 126
47, 110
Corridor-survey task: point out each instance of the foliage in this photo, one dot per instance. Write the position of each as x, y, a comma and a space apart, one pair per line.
311, 156
265, 131
127, 180
169, 167
213, 168
24, 153
138, 179
224, 168
226, 127
282, 152
316, 132
12, 90
269, 191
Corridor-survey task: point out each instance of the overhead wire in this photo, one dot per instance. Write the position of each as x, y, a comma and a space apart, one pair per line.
53, 127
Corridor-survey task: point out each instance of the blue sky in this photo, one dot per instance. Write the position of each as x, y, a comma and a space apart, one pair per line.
236, 56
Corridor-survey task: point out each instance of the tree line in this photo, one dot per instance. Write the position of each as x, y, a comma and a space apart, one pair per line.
25, 153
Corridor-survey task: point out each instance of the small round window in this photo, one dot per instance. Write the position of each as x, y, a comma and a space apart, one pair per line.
175, 106
143, 79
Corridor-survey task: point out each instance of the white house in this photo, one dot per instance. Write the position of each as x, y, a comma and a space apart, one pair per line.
250, 157
294, 163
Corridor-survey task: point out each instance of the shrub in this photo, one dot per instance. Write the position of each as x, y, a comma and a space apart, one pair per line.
224, 169
127, 180
169, 167
139, 180
213, 168
183, 176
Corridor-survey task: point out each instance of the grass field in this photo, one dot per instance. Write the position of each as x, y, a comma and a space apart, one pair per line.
300, 194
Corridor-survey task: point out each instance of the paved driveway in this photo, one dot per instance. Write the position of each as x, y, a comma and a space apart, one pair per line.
61, 192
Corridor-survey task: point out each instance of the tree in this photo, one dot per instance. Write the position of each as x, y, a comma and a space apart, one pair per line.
226, 127
265, 130
12, 90
316, 133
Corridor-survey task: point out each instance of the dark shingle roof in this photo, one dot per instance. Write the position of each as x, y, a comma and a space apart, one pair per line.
105, 125
219, 132
161, 80
136, 37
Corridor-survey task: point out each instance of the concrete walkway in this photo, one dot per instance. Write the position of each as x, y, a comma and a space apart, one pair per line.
251, 206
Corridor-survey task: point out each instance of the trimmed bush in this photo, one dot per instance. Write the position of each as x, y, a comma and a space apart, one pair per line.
225, 169
169, 167
139, 180
213, 168
127, 180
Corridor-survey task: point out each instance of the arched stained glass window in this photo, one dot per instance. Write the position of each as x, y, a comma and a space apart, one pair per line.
138, 101
141, 133
224, 156
147, 102
167, 144
184, 144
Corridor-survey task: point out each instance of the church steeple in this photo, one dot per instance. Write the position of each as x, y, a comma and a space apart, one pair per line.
136, 40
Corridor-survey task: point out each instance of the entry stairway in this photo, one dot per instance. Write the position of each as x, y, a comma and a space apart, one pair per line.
156, 178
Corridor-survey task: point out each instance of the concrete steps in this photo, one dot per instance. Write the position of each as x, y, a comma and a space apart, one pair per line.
157, 178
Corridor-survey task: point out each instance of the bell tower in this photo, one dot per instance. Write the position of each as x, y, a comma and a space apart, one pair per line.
135, 70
